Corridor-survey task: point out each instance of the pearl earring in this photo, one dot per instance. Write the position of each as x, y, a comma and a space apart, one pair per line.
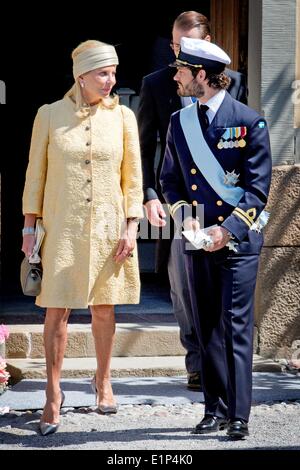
82, 84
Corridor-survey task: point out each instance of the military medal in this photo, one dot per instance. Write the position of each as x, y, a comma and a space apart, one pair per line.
242, 142
226, 136
230, 141
237, 133
231, 138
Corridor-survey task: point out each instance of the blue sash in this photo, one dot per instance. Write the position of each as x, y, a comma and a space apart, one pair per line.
204, 158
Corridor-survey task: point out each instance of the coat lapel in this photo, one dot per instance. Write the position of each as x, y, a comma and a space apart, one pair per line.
222, 119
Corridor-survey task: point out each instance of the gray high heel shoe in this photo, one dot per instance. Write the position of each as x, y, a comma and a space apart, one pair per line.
104, 409
50, 428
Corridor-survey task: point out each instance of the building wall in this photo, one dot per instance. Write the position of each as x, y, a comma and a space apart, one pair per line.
297, 84
277, 314
273, 67
278, 76
272, 72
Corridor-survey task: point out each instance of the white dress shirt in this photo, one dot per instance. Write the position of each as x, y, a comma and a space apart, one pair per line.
213, 103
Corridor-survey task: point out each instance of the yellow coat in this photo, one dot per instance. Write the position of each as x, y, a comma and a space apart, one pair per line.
84, 179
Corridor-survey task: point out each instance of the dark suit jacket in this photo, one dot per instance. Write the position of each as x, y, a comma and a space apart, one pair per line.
158, 100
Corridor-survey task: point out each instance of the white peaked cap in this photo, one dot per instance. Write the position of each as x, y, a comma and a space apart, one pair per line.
204, 50
202, 54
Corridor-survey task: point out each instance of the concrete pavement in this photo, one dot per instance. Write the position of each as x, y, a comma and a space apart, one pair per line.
154, 413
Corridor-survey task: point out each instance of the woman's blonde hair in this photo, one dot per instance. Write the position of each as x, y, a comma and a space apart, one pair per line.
83, 46
108, 103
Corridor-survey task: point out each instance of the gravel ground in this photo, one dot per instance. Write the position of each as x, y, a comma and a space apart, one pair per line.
139, 427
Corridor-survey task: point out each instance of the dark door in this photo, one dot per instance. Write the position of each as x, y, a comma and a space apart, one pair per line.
37, 69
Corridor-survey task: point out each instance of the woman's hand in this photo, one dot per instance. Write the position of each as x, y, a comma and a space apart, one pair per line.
28, 238
28, 244
127, 242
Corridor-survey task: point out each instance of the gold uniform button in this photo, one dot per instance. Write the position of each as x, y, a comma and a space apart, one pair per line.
195, 203
193, 171
194, 187
219, 203
220, 218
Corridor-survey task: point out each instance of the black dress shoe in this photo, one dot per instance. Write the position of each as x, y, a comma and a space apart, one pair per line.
210, 424
194, 381
237, 429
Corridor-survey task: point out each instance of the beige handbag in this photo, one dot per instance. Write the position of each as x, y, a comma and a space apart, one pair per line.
31, 268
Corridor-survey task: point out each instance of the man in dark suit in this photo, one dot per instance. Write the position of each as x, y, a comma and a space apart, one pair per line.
218, 157
158, 100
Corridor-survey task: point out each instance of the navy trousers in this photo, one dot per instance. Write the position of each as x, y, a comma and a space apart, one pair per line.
222, 286
182, 305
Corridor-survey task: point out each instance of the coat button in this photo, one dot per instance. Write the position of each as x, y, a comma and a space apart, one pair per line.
193, 171
195, 203
220, 218
194, 187
89, 180
88, 143
87, 162
219, 203
88, 199
87, 128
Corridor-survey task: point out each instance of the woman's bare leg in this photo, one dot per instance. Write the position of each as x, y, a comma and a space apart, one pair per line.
103, 328
55, 340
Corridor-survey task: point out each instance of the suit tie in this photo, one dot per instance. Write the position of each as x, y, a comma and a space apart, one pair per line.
203, 116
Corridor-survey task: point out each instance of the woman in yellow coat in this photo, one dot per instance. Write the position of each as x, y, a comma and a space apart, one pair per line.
84, 180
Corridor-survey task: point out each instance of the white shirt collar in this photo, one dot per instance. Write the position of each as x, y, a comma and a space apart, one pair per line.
214, 103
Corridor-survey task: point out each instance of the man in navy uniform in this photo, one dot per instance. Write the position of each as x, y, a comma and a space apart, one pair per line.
218, 156
158, 100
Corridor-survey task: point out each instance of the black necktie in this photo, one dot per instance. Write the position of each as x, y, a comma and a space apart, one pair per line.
203, 116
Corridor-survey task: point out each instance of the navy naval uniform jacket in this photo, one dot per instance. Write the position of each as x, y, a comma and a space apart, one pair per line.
158, 100
222, 283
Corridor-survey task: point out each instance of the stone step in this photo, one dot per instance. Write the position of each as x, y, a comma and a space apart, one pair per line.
86, 366
121, 367
132, 339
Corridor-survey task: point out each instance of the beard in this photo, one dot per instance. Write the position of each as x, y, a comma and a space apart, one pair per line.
191, 89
